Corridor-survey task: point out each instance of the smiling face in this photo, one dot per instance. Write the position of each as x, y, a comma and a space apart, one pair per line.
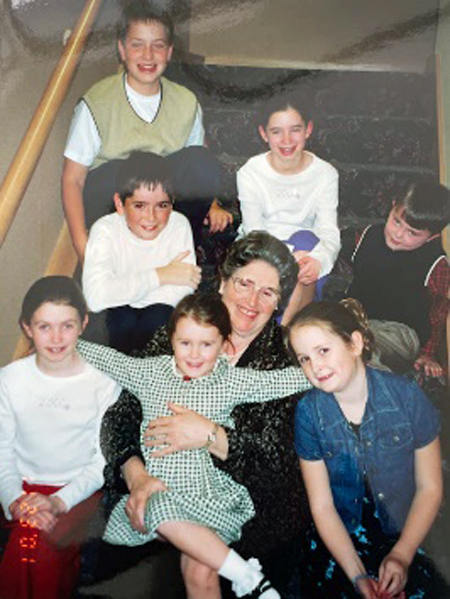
147, 211
54, 330
145, 54
327, 360
196, 347
400, 236
250, 312
286, 133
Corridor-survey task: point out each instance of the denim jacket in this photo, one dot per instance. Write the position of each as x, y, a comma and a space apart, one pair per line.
398, 419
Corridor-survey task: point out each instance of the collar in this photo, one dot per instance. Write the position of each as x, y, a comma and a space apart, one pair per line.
379, 395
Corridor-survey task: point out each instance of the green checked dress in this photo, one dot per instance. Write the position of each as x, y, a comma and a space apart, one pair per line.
197, 492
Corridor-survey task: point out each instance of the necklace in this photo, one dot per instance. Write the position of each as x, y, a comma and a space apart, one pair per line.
234, 357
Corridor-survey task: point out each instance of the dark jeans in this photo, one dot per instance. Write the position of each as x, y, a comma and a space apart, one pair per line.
131, 328
196, 176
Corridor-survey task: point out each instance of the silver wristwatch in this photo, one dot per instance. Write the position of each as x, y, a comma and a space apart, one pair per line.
212, 436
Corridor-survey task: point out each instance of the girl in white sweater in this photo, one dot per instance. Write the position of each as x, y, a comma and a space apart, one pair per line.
51, 466
293, 194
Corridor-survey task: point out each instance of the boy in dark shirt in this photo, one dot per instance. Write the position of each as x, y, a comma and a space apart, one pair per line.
401, 277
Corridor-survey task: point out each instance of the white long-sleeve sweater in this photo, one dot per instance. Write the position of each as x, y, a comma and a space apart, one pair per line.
285, 204
120, 269
49, 430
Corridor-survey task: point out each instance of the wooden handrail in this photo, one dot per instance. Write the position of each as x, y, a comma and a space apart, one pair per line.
27, 155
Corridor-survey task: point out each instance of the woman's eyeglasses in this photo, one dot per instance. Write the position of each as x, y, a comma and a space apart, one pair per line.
246, 287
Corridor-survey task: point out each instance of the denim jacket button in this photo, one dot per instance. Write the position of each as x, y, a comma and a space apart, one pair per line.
369, 443
396, 438
380, 496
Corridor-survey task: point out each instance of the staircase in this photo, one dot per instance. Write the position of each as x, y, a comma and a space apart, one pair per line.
377, 128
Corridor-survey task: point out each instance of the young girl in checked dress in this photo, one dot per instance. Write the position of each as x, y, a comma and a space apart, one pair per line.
195, 506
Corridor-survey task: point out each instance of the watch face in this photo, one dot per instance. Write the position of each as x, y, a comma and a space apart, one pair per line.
212, 436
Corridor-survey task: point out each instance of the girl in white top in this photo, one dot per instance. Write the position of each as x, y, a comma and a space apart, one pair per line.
292, 194
51, 406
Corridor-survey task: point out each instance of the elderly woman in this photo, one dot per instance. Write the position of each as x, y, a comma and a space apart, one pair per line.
257, 278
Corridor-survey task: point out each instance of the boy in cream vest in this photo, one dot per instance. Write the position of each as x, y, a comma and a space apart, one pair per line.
138, 110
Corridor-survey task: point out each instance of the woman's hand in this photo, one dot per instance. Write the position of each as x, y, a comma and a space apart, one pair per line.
186, 429
393, 575
141, 489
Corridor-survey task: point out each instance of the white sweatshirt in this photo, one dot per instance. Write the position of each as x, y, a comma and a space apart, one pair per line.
50, 430
285, 204
120, 269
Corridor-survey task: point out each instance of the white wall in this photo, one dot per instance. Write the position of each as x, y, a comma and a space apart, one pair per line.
24, 72
443, 52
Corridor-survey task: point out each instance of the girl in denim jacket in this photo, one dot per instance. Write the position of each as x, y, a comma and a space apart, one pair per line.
369, 454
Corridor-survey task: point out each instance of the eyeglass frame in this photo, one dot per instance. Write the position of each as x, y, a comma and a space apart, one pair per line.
254, 289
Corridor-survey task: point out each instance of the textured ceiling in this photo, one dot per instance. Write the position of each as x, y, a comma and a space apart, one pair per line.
396, 33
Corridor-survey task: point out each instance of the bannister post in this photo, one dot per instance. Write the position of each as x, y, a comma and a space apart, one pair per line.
27, 155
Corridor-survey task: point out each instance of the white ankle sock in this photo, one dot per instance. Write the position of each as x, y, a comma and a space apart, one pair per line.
235, 567
244, 575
